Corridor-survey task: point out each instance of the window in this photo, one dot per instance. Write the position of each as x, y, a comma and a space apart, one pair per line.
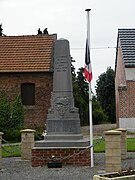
28, 93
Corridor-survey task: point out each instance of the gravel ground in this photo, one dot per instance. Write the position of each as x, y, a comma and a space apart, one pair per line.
16, 169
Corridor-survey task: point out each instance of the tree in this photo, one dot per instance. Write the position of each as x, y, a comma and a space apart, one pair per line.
4, 111
80, 92
82, 97
17, 114
98, 114
11, 117
105, 92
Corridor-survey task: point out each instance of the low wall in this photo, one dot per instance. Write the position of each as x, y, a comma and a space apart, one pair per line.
67, 156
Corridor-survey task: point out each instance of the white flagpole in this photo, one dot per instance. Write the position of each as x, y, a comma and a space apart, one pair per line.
90, 96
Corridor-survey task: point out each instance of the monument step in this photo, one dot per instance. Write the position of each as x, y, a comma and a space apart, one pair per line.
64, 137
62, 143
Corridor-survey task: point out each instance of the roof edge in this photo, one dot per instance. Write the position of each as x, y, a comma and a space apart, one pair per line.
33, 35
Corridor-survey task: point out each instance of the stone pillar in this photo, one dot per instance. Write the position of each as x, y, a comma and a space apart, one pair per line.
27, 143
113, 151
123, 142
1, 133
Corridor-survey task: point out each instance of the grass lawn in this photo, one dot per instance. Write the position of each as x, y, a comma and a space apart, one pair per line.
11, 151
131, 145
99, 146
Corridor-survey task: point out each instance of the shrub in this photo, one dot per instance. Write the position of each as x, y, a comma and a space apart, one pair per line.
39, 135
11, 117
12, 135
4, 111
17, 114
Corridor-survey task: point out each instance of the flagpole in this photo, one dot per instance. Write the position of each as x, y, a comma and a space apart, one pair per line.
90, 96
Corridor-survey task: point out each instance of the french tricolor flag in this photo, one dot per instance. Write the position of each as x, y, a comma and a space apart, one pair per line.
87, 68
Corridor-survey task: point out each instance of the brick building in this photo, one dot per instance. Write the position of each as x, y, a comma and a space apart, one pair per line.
125, 79
26, 67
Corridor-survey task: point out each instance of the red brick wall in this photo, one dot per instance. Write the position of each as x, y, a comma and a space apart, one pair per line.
35, 116
41, 157
125, 96
119, 79
127, 101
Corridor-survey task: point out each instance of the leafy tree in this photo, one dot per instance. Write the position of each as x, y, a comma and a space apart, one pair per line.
4, 111
83, 84
17, 113
11, 117
81, 96
82, 100
105, 91
73, 70
98, 114
80, 91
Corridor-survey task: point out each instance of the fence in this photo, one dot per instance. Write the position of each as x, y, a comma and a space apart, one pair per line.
27, 143
115, 148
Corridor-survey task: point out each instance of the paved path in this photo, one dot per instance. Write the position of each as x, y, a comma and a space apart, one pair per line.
16, 169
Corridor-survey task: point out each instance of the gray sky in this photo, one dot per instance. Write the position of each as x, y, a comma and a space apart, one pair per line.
67, 18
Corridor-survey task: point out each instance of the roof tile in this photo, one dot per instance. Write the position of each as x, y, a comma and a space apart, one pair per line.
26, 53
127, 42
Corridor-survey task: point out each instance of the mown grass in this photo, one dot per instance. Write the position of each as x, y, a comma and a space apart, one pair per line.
11, 151
131, 145
99, 146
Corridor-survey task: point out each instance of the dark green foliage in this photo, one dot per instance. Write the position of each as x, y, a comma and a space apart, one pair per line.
39, 135
81, 94
12, 135
4, 112
105, 91
103, 104
11, 117
80, 90
17, 114
83, 97
73, 70
98, 114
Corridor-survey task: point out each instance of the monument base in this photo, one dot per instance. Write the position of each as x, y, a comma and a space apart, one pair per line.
84, 142
63, 136
80, 156
65, 151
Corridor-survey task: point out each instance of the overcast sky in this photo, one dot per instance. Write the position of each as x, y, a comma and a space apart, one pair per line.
67, 18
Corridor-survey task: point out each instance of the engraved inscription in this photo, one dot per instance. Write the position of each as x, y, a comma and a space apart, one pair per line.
61, 64
65, 127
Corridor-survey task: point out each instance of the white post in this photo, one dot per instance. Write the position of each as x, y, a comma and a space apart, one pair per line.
91, 125
90, 97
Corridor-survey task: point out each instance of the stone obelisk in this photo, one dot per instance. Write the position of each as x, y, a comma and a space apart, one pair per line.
63, 122
64, 142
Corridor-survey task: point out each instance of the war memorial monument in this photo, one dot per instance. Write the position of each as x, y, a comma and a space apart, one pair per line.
64, 140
